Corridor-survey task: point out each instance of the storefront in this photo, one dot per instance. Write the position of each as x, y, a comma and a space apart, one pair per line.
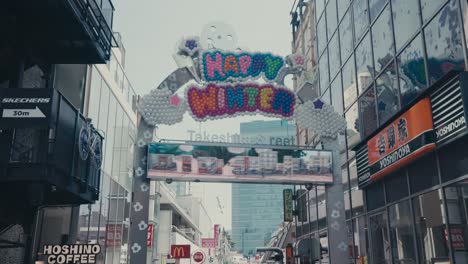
414, 172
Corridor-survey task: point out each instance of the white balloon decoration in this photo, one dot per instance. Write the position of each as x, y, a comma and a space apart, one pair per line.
161, 107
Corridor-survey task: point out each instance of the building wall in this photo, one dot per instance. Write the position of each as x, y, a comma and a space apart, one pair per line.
374, 57
109, 105
257, 209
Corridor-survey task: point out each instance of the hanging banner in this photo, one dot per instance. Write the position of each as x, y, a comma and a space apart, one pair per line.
219, 101
288, 205
237, 163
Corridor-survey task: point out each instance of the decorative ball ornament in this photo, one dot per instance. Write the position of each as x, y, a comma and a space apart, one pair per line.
161, 107
296, 62
320, 118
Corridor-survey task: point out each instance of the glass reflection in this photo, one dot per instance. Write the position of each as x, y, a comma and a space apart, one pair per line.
321, 34
405, 20
361, 239
361, 17
429, 7
346, 36
379, 237
367, 111
364, 64
444, 43
319, 6
334, 54
342, 7
382, 40
352, 130
375, 7
412, 71
387, 94
401, 233
332, 22
349, 82
337, 95
457, 204
323, 68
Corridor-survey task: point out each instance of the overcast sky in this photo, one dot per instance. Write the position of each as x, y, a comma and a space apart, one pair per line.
151, 29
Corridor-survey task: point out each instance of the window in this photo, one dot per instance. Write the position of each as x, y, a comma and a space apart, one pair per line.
326, 96
380, 247
337, 95
332, 17
361, 240
382, 40
320, 6
95, 90
412, 71
429, 225
349, 82
375, 7
429, 7
423, 173
444, 43
342, 7
367, 112
346, 36
387, 94
375, 196
321, 35
352, 129
457, 204
364, 66
401, 233
405, 19
451, 167
323, 67
361, 17
334, 54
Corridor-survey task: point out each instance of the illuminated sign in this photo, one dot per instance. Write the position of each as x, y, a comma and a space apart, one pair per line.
238, 163
288, 205
78, 253
180, 251
217, 66
215, 101
407, 138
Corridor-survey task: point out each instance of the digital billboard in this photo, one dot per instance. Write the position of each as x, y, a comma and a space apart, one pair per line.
238, 163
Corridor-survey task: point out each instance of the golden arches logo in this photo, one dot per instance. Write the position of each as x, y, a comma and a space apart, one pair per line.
177, 252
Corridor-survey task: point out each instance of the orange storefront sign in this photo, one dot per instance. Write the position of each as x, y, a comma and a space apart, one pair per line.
407, 138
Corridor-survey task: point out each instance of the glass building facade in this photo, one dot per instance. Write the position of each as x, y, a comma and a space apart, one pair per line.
257, 209
109, 105
374, 58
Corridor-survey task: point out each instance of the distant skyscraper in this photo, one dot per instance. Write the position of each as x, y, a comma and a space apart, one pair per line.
257, 209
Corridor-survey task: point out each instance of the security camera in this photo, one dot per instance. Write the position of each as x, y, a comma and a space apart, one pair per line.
168, 181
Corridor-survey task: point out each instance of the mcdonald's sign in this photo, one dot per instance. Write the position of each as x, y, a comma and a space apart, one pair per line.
180, 251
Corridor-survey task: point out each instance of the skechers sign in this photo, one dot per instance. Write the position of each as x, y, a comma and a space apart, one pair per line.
408, 137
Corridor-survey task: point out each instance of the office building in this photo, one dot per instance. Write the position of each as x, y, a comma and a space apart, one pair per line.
257, 209
388, 68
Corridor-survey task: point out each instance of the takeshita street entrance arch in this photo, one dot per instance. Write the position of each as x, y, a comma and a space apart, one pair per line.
221, 85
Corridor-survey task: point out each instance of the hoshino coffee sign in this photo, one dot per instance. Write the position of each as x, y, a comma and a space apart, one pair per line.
77, 253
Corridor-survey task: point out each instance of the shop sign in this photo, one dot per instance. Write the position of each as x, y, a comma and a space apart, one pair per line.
149, 241
199, 256
288, 205
458, 238
113, 235
216, 233
24, 108
408, 137
448, 112
76, 253
180, 251
208, 243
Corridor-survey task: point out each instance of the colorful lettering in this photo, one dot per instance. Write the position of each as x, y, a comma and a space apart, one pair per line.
216, 101
218, 67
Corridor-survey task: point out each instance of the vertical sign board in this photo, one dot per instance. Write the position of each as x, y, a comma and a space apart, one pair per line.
405, 139
149, 242
25, 108
288, 205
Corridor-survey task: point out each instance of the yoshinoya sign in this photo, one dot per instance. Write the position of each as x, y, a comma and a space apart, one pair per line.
77, 253
238, 163
408, 137
24, 107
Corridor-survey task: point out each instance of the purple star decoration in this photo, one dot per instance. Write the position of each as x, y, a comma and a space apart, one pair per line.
318, 104
191, 44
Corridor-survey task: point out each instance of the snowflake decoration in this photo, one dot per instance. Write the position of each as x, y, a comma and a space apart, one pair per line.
156, 107
339, 205
144, 187
144, 160
139, 172
147, 134
141, 143
190, 46
137, 207
136, 248
335, 214
342, 246
320, 118
336, 226
142, 225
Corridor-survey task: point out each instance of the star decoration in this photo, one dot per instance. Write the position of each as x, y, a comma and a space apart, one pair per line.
141, 143
318, 104
144, 187
335, 214
191, 44
137, 207
142, 226
339, 205
342, 246
336, 226
174, 100
136, 248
